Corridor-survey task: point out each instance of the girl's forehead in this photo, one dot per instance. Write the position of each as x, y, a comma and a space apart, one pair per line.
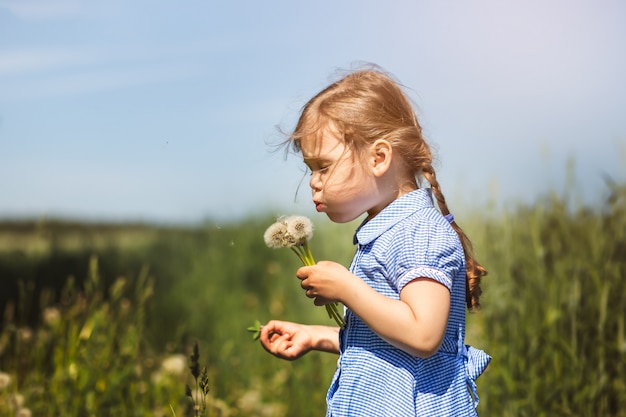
324, 143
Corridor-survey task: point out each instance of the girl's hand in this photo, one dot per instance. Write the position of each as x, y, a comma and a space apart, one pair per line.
286, 340
325, 281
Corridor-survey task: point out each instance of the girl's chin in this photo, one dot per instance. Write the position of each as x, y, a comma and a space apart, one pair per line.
340, 217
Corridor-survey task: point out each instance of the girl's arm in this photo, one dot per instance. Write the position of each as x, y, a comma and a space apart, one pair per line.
290, 341
416, 323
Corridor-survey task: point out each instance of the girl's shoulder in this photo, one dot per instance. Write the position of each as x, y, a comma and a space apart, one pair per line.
429, 223
427, 237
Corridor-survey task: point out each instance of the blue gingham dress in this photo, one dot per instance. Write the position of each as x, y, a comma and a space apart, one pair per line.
406, 240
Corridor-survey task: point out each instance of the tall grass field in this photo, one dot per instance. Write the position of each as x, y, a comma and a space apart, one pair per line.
143, 320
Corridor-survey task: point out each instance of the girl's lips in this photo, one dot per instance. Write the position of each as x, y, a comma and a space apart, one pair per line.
319, 206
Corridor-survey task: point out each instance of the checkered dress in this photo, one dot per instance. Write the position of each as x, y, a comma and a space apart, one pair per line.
408, 239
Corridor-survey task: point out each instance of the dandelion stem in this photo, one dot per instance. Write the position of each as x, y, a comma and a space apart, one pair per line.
297, 252
294, 232
333, 313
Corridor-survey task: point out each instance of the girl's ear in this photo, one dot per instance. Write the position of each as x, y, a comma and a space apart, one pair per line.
380, 156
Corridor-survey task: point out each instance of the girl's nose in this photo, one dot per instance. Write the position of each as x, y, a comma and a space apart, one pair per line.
315, 182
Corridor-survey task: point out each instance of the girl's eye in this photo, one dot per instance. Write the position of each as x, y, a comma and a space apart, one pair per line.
320, 170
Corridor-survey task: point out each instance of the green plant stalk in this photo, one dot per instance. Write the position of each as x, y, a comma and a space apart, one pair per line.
303, 251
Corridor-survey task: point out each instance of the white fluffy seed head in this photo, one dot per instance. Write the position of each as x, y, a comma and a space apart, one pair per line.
300, 227
288, 231
274, 236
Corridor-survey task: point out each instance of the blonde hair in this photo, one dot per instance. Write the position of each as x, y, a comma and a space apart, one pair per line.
367, 105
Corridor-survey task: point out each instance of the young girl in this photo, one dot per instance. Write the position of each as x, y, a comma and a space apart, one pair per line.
402, 350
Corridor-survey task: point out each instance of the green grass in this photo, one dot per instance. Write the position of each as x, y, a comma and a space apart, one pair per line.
131, 301
553, 315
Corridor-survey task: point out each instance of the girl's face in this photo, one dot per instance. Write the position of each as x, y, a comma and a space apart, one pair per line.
342, 186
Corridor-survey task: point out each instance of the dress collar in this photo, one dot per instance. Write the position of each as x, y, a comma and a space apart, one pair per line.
395, 212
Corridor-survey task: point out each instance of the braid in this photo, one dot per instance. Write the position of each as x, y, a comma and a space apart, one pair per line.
474, 271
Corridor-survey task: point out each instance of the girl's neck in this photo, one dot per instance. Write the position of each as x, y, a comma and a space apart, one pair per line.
391, 196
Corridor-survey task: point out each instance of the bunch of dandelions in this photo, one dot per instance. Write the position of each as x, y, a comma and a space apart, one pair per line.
294, 232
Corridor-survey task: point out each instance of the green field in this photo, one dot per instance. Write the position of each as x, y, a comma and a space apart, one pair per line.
101, 319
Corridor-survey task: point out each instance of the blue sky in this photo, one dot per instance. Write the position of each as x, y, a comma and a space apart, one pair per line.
162, 111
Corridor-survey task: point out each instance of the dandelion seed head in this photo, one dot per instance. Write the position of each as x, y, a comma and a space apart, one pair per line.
288, 231
289, 240
275, 235
300, 227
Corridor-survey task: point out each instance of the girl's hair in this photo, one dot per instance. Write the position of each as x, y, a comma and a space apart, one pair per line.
367, 105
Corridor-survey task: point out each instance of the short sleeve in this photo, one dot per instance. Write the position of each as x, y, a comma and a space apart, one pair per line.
429, 249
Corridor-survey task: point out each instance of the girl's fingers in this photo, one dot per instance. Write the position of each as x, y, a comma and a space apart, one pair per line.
272, 337
280, 345
302, 272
